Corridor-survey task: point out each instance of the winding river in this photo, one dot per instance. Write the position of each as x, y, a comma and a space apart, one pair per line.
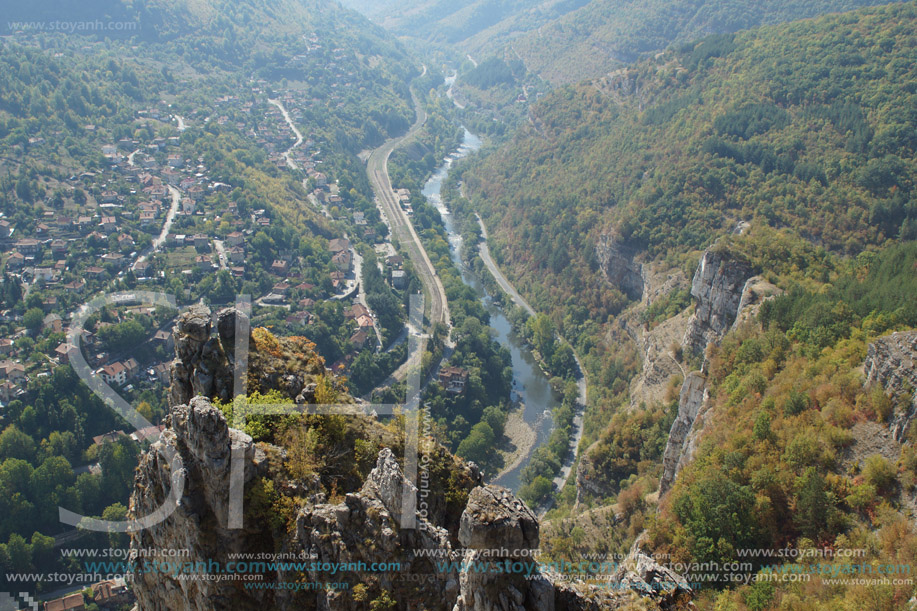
530, 384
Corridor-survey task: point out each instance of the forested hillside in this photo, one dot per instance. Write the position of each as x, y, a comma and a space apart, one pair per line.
790, 152
606, 34
807, 127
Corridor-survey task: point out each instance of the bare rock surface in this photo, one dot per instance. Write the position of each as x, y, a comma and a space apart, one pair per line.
717, 286
892, 362
617, 264
348, 538
199, 524
693, 395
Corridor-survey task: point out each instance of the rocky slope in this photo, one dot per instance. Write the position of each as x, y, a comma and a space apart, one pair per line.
338, 533
659, 361
692, 399
616, 261
892, 363
726, 290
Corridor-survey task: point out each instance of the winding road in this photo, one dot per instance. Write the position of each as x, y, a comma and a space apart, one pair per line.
296, 132
567, 467
166, 226
357, 259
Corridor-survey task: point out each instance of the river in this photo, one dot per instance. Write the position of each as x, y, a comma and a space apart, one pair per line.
530, 384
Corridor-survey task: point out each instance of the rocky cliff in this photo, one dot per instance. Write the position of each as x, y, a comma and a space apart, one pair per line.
718, 285
726, 291
892, 362
202, 365
616, 261
690, 401
336, 520
199, 525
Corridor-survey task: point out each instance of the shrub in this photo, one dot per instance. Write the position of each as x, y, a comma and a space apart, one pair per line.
880, 473
796, 403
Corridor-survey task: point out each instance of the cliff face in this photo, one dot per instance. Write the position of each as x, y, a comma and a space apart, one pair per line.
364, 528
726, 291
717, 286
692, 398
892, 362
199, 525
618, 266
336, 533
202, 365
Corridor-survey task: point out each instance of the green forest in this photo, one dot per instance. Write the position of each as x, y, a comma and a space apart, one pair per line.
807, 128
805, 132
607, 34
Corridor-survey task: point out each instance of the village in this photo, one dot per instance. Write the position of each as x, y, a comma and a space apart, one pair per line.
152, 217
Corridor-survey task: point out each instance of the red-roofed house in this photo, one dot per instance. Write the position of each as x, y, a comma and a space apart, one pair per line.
115, 373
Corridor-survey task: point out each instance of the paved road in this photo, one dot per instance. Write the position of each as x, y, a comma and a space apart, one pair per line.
400, 225
567, 467
221, 254
161, 238
296, 132
361, 295
450, 92
484, 251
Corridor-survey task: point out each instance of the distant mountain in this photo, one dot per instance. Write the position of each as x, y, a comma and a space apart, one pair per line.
605, 34
566, 41
474, 26
250, 35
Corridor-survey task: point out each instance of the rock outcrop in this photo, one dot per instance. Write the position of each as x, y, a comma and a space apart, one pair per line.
497, 529
590, 481
640, 573
754, 293
500, 536
201, 366
616, 261
726, 291
692, 398
325, 534
892, 362
717, 286
365, 529
492, 568
199, 524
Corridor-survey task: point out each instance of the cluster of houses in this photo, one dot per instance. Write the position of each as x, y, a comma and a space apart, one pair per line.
15, 376
112, 210
109, 210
